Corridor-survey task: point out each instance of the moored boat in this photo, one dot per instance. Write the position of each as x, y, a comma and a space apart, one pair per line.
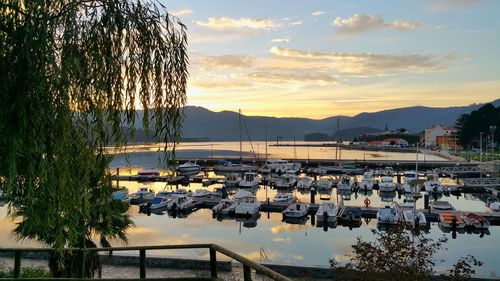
189, 168
451, 219
386, 184
477, 221
249, 180
224, 207
305, 183
180, 203
283, 197
247, 204
367, 181
327, 212
419, 218
387, 214
286, 181
296, 210
345, 183
143, 194
441, 205
232, 179
324, 183
432, 183
157, 203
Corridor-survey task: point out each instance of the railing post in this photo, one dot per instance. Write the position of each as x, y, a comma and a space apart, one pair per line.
142, 263
213, 263
247, 273
17, 264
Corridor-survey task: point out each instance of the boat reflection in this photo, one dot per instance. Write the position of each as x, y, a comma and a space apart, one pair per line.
248, 222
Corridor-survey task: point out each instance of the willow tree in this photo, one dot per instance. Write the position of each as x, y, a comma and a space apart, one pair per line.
73, 75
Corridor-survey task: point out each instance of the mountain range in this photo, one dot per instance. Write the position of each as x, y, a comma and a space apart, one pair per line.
224, 126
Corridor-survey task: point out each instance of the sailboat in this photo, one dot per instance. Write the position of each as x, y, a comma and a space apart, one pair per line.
228, 166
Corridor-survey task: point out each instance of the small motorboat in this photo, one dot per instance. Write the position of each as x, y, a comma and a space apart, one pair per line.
327, 212
419, 218
164, 193
386, 184
283, 197
181, 191
477, 221
122, 197
441, 205
143, 194
286, 181
432, 183
247, 204
345, 183
250, 180
148, 173
388, 171
388, 214
448, 219
189, 168
305, 183
351, 214
296, 210
180, 203
225, 207
200, 193
232, 180
157, 203
324, 183
367, 181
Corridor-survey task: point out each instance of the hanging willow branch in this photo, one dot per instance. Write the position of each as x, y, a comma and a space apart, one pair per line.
73, 75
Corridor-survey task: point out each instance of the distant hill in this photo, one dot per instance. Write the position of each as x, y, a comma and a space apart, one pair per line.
203, 123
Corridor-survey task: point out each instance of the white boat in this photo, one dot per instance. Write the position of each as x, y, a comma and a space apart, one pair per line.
296, 210
180, 191
247, 204
286, 181
495, 206
232, 180
386, 184
225, 207
305, 182
345, 183
432, 183
189, 168
419, 218
441, 205
327, 212
228, 167
249, 180
144, 193
388, 214
180, 203
283, 197
409, 177
158, 202
388, 171
279, 165
367, 181
200, 193
324, 183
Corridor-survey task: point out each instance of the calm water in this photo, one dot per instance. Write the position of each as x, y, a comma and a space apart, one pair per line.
148, 155
282, 242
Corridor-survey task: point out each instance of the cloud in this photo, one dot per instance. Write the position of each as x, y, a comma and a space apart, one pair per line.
226, 61
222, 85
359, 23
281, 40
297, 23
366, 64
182, 12
290, 77
317, 13
447, 4
226, 23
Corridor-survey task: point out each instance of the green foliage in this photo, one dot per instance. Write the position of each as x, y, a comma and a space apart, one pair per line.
26, 272
72, 73
399, 255
471, 125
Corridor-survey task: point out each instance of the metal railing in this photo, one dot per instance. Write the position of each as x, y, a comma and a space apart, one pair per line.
248, 265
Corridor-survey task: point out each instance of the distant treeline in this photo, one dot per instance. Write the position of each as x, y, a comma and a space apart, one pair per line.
484, 120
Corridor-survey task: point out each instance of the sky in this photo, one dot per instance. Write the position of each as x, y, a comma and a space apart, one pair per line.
319, 58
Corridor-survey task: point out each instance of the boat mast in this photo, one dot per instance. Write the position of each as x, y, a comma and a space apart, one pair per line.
416, 189
294, 150
266, 145
239, 124
339, 139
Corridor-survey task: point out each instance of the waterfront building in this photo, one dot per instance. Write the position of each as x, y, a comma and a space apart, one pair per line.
431, 134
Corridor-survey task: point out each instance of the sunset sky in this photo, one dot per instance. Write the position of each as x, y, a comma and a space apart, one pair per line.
322, 58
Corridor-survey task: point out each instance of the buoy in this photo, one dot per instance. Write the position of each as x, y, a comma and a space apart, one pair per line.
367, 202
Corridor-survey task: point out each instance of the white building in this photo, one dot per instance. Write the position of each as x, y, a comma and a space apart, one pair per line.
431, 134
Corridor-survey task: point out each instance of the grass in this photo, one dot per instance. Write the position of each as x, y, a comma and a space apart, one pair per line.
26, 272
